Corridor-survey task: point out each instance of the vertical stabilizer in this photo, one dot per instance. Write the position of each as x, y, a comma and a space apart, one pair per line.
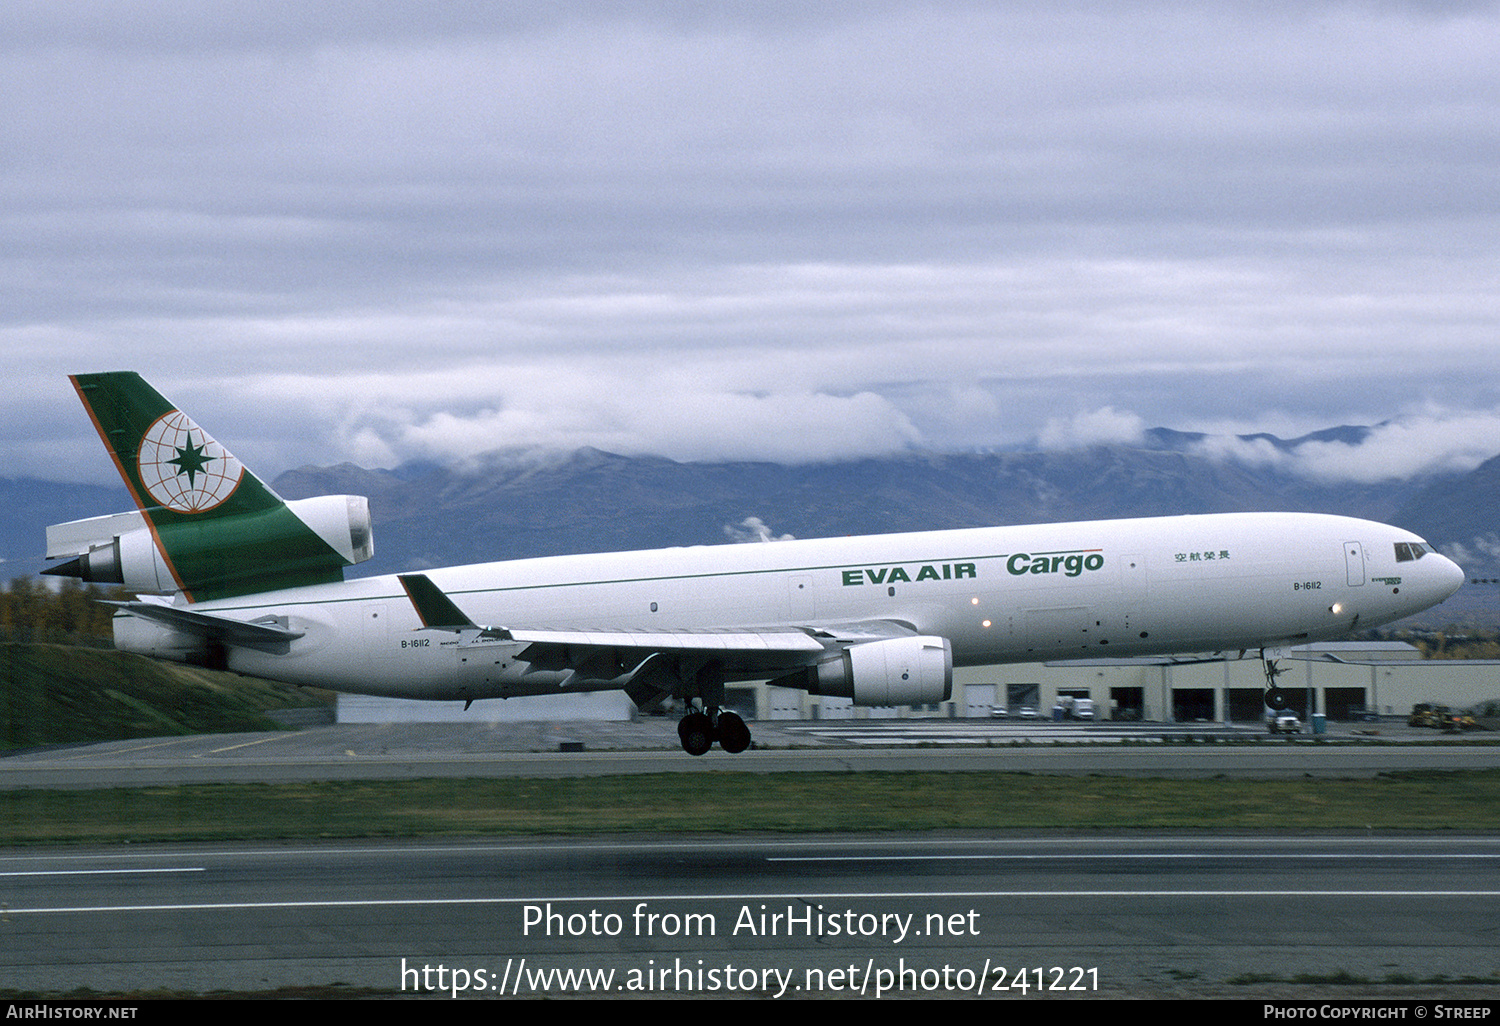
216, 528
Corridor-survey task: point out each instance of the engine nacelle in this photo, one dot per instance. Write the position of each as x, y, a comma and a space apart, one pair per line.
343, 521
116, 549
120, 548
900, 671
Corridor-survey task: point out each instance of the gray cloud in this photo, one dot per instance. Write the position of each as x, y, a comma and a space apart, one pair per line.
1411, 447
384, 230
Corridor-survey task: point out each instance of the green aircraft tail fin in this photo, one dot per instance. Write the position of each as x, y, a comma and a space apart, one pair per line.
169, 463
217, 529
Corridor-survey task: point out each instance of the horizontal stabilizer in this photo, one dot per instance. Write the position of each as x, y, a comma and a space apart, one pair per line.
79, 537
264, 635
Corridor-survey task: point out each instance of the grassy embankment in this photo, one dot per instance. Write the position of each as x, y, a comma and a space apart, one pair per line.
58, 694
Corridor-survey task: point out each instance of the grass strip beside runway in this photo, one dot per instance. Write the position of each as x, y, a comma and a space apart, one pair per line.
1466, 801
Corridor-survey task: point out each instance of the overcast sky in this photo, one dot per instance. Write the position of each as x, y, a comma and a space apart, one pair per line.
380, 230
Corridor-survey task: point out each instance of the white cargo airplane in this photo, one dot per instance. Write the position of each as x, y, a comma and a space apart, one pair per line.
247, 582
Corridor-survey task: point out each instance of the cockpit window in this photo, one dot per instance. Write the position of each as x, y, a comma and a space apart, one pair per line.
1408, 551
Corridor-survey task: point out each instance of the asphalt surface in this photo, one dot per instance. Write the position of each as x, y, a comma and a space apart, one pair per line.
404, 751
1031, 918
1004, 917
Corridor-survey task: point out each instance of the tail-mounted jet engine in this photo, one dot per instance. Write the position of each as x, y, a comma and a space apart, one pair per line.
120, 548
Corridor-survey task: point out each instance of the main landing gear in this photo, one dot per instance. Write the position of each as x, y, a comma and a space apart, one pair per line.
699, 730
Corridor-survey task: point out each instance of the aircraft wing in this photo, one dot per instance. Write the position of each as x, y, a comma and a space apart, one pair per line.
765, 639
265, 634
629, 651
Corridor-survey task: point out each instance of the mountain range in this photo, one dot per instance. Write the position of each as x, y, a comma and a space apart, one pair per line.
510, 505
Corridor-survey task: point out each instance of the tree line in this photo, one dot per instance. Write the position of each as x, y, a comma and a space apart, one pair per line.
1452, 643
69, 614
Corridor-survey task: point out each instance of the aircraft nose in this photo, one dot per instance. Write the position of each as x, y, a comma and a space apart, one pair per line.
1440, 576
1448, 578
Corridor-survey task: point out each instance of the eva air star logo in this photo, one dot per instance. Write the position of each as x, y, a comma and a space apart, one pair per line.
183, 468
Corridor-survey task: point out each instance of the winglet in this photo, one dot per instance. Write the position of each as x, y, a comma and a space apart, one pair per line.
434, 609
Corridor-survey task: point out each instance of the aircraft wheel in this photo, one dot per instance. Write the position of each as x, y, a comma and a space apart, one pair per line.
734, 736
696, 732
1276, 699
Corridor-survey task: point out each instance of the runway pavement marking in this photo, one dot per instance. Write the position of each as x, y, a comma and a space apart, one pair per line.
137, 748
971, 736
1268, 847
1101, 856
101, 872
246, 744
781, 896
969, 742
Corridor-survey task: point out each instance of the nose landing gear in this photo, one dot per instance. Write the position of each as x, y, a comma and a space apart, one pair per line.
1276, 698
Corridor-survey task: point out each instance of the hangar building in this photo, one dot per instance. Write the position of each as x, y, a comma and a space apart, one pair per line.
1341, 679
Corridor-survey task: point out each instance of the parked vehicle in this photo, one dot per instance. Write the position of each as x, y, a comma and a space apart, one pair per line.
1284, 723
1426, 714
1069, 707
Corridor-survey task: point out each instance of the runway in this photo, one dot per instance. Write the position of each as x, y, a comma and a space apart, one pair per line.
993, 916
765, 917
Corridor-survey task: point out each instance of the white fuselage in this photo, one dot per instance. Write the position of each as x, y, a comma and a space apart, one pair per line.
1002, 594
